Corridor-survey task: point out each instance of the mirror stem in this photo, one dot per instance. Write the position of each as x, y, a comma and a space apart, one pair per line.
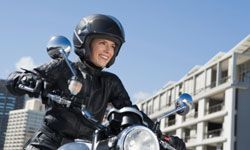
67, 61
157, 123
170, 113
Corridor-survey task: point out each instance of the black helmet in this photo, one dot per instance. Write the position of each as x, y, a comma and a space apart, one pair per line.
93, 26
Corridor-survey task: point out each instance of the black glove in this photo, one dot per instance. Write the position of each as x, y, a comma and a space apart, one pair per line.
175, 142
30, 84
12, 82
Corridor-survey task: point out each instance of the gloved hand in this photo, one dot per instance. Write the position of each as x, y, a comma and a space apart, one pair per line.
11, 83
175, 142
31, 82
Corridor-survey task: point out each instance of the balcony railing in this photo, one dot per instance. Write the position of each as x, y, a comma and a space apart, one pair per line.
197, 91
221, 81
215, 108
224, 79
244, 78
213, 133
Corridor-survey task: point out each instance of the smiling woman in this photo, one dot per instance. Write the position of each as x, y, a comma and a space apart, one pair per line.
97, 48
102, 51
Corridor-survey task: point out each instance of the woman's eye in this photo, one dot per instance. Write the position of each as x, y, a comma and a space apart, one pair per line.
103, 43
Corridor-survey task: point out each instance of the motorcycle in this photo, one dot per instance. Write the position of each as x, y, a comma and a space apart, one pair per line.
125, 129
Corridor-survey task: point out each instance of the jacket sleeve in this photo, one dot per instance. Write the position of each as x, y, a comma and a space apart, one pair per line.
119, 96
46, 71
52, 70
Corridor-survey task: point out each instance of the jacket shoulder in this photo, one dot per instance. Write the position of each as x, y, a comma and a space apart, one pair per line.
109, 75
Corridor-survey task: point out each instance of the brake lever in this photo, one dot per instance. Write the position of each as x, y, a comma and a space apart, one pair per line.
26, 88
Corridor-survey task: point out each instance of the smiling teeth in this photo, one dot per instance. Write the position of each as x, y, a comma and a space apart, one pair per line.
104, 57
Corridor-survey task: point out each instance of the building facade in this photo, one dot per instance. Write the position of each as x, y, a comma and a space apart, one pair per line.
8, 102
23, 123
221, 95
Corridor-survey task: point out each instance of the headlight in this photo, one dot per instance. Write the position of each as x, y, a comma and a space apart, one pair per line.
138, 138
78, 144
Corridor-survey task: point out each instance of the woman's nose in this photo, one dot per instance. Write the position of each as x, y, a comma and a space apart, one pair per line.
108, 48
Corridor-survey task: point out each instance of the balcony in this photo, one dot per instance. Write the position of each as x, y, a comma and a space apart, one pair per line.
215, 108
244, 78
213, 133
222, 80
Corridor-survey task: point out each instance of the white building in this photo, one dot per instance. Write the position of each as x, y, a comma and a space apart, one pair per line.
221, 94
23, 123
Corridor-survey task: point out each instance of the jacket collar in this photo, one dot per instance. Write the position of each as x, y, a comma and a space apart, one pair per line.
89, 67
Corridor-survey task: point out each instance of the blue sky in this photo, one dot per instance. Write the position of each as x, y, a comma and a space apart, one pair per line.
164, 39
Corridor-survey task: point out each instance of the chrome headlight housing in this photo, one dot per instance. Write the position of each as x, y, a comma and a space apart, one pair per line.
137, 138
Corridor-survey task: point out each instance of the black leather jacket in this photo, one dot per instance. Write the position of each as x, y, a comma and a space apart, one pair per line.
99, 89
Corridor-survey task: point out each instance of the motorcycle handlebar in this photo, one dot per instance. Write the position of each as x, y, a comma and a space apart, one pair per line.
67, 103
53, 97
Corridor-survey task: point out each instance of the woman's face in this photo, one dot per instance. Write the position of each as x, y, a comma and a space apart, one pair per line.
102, 51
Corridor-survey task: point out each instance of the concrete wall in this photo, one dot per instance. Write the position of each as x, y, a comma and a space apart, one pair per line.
243, 119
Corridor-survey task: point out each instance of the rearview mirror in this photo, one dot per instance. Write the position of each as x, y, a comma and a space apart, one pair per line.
57, 46
184, 101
